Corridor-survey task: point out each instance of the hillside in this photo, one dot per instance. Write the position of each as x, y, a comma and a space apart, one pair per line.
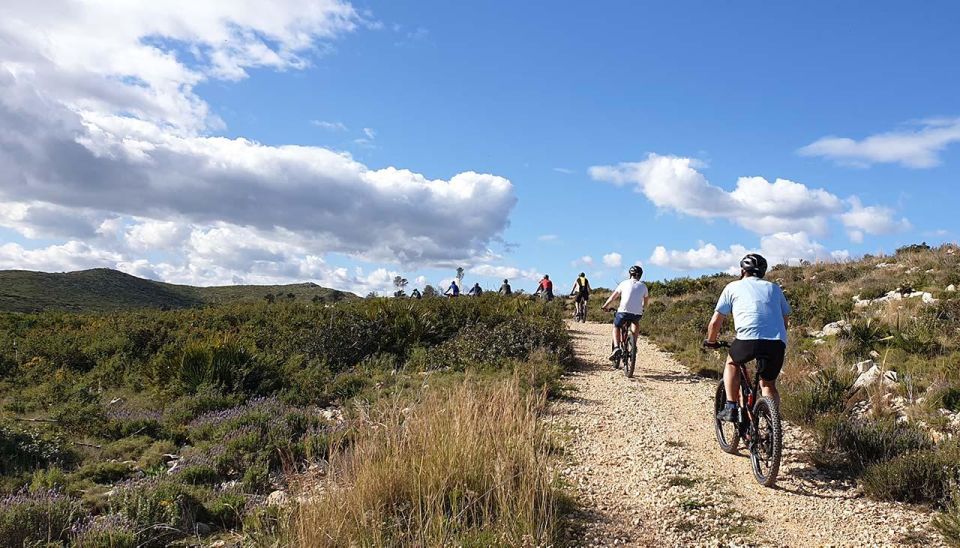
101, 289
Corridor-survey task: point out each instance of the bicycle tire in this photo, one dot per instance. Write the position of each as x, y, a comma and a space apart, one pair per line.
728, 441
630, 356
767, 450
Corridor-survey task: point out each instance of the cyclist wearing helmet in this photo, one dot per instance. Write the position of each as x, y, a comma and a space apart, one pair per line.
545, 289
760, 313
633, 295
581, 289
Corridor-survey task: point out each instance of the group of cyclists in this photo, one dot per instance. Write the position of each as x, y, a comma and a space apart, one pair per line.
758, 307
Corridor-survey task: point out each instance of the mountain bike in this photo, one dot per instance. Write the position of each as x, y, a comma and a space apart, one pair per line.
580, 309
759, 424
628, 350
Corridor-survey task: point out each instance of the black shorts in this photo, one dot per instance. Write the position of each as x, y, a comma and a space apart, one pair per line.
582, 297
768, 353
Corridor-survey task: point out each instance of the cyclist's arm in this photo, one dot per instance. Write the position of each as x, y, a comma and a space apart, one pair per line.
646, 301
786, 324
613, 296
716, 324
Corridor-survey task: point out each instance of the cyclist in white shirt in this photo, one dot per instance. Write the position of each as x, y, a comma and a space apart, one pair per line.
633, 295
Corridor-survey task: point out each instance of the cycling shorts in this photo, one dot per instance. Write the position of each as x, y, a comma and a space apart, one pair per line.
625, 318
768, 353
582, 297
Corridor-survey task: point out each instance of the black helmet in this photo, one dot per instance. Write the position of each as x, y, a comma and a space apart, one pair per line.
636, 272
582, 275
505, 281
754, 264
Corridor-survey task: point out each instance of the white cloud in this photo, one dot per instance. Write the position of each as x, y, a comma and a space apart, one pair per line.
779, 248
673, 183
563, 170
72, 255
613, 259
586, 260
862, 219
105, 143
707, 256
766, 208
548, 237
156, 235
916, 148
329, 126
505, 272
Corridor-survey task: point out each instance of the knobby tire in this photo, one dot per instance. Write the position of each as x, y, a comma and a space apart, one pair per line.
728, 433
767, 450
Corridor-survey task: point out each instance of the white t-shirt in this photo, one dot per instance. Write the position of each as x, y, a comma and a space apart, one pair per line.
632, 293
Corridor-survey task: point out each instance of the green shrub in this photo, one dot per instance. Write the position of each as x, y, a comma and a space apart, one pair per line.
922, 476
104, 472
109, 531
48, 479
859, 444
813, 398
29, 449
948, 522
160, 510
153, 456
39, 517
227, 510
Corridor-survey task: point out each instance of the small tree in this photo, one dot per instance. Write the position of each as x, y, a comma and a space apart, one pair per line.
269, 298
372, 295
460, 273
429, 291
399, 282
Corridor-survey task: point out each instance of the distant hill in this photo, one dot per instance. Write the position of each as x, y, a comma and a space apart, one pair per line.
103, 289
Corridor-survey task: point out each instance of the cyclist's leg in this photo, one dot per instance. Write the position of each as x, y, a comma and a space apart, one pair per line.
731, 380
769, 364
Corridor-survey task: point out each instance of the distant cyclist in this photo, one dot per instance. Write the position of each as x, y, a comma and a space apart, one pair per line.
760, 313
505, 288
476, 290
453, 290
634, 296
416, 294
545, 289
581, 291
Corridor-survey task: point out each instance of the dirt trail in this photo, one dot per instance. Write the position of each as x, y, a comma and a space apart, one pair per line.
647, 469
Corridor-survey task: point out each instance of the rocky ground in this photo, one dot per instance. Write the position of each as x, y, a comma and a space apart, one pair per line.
642, 459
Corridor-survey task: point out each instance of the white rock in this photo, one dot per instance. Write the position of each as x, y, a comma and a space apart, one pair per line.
864, 366
873, 376
835, 328
277, 498
928, 298
951, 288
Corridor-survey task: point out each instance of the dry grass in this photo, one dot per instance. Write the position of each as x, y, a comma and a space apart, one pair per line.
467, 465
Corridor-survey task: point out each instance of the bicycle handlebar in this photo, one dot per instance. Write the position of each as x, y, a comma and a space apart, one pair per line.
716, 345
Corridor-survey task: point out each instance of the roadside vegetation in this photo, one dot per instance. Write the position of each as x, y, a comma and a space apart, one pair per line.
873, 368
251, 422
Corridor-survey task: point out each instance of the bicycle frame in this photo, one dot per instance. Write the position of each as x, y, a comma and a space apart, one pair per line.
748, 396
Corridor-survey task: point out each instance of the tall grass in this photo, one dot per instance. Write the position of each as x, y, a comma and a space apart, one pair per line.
466, 465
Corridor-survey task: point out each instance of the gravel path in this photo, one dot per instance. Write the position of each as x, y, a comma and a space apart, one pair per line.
646, 468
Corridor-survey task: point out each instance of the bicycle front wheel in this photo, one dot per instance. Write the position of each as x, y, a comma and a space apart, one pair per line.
630, 356
728, 433
767, 447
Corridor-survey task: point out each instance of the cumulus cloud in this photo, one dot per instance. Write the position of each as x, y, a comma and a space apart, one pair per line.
586, 260
505, 272
919, 147
102, 137
674, 183
613, 259
778, 248
862, 219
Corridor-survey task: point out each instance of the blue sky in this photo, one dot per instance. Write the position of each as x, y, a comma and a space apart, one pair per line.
669, 104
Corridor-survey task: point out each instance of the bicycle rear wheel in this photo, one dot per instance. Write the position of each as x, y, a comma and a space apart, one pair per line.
767, 449
630, 356
728, 433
